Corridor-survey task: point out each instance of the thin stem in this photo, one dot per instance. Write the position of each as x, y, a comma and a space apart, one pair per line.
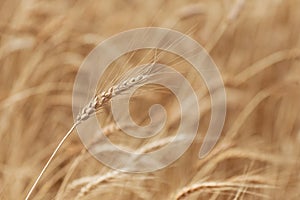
51, 158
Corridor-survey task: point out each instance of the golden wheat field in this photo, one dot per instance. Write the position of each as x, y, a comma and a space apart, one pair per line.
254, 43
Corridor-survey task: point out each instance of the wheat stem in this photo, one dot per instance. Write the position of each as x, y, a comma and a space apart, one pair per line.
51, 158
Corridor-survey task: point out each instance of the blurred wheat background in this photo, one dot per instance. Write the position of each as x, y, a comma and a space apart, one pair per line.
254, 43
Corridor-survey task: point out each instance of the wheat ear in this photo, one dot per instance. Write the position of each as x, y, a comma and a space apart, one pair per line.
95, 104
210, 186
101, 99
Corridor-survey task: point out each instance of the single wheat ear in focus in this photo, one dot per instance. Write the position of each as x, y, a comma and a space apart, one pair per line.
93, 106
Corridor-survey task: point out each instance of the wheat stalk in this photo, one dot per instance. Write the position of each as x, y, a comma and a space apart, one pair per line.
94, 105
107, 130
50, 159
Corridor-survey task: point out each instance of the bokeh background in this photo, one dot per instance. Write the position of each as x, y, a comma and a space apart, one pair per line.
254, 43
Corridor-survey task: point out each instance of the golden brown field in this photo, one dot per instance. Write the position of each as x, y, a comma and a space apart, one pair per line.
254, 43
